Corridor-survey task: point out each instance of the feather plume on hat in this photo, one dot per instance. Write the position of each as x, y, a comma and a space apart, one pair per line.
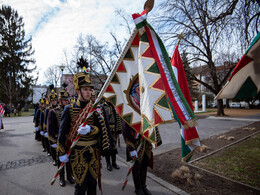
83, 64
82, 79
52, 95
63, 93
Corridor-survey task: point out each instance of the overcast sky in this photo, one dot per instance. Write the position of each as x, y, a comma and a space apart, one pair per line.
55, 25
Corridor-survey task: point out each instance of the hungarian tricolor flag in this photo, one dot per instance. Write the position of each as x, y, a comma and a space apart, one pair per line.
244, 82
142, 86
189, 137
2, 111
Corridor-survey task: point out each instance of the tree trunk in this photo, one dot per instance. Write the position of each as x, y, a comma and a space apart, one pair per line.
220, 108
227, 103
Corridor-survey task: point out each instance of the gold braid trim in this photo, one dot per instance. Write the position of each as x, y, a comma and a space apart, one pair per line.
184, 159
81, 116
61, 149
86, 143
188, 142
52, 139
94, 164
190, 123
118, 123
80, 166
105, 139
129, 144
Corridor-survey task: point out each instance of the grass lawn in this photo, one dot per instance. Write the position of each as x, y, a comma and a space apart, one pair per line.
29, 113
240, 162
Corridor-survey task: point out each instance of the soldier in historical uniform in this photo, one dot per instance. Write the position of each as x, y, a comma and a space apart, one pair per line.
144, 156
37, 113
115, 127
134, 141
53, 124
85, 156
44, 103
53, 100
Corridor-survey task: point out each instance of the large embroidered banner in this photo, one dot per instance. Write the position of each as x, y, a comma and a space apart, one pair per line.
142, 85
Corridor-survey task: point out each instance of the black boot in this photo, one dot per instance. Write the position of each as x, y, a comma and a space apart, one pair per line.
109, 167
137, 181
146, 191
70, 178
114, 162
143, 181
62, 182
54, 162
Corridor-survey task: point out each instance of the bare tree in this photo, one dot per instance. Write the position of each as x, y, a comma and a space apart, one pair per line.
208, 27
9, 90
52, 75
247, 21
123, 15
100, 56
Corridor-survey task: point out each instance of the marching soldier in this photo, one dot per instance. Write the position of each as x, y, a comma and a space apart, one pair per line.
37, 113
144, 156
53, 99
115, 126
41, 123
93, 142
53, 123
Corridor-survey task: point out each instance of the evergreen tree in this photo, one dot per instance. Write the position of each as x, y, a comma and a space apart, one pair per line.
16, 62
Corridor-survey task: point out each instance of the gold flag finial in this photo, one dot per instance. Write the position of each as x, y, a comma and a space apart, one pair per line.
148, 5
180, 37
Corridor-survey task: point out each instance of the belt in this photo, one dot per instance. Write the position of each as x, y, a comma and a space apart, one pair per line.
86, 143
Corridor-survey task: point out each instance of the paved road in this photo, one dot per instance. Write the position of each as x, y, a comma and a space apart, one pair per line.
25, 169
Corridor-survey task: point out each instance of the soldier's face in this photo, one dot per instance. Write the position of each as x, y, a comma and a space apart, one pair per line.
85, 93
54, 102
64, 102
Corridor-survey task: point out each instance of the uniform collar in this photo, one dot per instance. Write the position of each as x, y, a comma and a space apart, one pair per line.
81, 104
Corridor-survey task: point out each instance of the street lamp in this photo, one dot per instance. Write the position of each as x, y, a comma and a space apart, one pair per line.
62, 68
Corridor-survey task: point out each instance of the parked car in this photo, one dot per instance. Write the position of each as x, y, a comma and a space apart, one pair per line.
235, 105
214, 105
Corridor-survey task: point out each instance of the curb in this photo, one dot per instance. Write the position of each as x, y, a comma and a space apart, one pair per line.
166, 184
235, 119
158, 180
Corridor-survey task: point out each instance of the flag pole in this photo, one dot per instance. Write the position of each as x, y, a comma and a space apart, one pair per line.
180, 37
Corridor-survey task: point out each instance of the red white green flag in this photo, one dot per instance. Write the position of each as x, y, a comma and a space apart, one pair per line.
2, 110
189, 137
244, 81
142, 85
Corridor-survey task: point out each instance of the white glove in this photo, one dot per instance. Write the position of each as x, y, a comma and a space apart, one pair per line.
42, 133
84, 130
133, 154
46, 134
54, 145
37, 128
64, 158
